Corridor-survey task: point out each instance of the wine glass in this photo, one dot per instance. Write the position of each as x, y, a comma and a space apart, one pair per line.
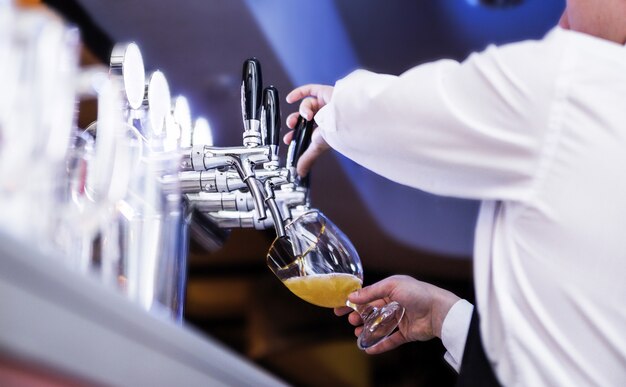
318, 263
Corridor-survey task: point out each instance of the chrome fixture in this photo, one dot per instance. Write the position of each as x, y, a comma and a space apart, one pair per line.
238, 186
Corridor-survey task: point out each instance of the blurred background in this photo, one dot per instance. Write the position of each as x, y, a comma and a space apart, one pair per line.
231, 295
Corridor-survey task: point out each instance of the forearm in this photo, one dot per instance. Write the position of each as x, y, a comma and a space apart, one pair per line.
428, 128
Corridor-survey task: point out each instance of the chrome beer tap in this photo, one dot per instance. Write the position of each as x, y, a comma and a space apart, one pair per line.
215, 179
289, 193
219, 180
244, 159
270, 127
299, 143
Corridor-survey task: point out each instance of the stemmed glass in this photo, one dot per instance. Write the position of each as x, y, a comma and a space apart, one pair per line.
318, 263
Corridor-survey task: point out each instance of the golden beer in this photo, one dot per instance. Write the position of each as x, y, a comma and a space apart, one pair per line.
327, 290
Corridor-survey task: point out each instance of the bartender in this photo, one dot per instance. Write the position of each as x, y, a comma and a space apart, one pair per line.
536, 131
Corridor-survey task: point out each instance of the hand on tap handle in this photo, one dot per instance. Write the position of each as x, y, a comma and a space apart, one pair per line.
300, 139
313, 97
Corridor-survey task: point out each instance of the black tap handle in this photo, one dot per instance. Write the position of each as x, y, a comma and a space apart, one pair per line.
294, 145
306, 141
304, 130
299, 143
272, 116
251, 87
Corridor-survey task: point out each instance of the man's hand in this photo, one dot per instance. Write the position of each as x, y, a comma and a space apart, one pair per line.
426, 307
313, 97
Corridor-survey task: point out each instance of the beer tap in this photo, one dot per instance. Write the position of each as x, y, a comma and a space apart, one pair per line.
242, 159
228, 199
217, 193
232, 209
235, 186
270, 125
251, 86
299, 143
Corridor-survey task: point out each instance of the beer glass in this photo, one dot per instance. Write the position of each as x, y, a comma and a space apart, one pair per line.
318, 263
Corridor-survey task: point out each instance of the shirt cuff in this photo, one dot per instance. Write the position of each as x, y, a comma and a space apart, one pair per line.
454, 332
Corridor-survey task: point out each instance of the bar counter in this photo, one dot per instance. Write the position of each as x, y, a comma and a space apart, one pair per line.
65, 328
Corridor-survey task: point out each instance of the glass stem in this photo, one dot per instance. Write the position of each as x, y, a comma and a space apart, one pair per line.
363, 310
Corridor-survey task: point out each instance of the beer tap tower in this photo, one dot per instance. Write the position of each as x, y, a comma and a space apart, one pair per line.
180, 188
237, 186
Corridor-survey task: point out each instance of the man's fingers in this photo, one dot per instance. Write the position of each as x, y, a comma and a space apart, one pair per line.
308, 158
308, 108
373, 292
288, 137
298, 93
315, 149
342, 311
292, 120
391, 342
355, 319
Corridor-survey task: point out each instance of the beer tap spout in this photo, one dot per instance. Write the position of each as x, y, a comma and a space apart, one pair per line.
245, 169
270, 200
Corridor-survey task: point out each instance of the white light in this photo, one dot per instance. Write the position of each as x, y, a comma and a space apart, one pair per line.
134, 76
182, 116
202, 134
159, 102
172, 133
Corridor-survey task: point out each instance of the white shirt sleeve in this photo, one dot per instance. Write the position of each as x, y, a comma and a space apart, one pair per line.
454, 332
474, 129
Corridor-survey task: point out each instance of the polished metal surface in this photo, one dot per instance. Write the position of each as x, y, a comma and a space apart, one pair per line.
220, 171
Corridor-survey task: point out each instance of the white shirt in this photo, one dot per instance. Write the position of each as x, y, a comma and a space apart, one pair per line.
537, 131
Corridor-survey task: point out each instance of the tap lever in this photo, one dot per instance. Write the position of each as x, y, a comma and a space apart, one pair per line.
305, 138
294, 152
251, 87
305, 181
300, 142
270, 123
302, 138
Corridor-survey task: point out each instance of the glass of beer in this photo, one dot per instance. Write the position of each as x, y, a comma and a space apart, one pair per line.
318, 263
